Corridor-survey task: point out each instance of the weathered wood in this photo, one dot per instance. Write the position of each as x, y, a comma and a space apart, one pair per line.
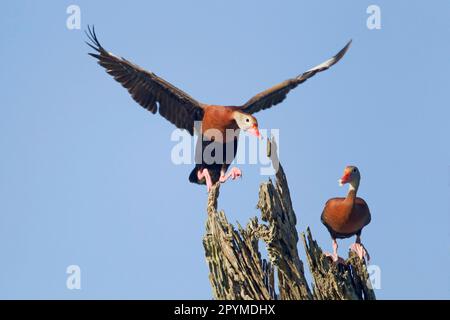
282, 237
237, 270
347, 281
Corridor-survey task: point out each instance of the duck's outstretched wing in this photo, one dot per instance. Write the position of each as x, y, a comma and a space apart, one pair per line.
278, 93
150, 91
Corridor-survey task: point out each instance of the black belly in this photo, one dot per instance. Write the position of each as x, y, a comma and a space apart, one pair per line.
214, 156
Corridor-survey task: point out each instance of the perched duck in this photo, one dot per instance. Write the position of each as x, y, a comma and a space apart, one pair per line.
346, 217
156, 94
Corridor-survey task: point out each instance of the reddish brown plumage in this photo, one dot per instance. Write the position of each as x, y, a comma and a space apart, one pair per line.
218, 118
345, 217
220, 133
158, 95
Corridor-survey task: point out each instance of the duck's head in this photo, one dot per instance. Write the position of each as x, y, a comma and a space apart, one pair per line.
247, 123
352, 176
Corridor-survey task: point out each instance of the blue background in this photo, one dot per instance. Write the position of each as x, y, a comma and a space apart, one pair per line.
86, 176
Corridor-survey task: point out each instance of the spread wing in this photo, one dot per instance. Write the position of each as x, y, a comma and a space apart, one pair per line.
278, 93
147, 89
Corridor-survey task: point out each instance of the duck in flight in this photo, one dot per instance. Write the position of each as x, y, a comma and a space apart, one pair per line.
157, 95
346, 217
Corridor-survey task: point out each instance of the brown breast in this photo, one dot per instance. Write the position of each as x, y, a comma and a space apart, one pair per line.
345, 216
216, 121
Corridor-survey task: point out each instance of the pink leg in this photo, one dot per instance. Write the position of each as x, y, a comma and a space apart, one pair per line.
205, 174
359, 249
334, 256
234, 173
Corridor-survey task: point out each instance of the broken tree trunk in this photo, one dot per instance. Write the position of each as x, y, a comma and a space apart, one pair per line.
238, 270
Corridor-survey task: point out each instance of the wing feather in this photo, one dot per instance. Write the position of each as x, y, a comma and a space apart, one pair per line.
147, 89
278, 93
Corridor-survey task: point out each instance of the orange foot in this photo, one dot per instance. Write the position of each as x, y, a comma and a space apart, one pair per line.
359, 249
205, 174
233, 174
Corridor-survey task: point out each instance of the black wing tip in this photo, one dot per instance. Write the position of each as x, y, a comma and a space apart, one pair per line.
92, 36
345, 49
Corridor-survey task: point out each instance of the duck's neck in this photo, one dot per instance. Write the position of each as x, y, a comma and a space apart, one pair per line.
352, 190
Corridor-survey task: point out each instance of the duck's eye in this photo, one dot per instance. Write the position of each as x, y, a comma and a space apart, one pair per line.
354, 170
247, 120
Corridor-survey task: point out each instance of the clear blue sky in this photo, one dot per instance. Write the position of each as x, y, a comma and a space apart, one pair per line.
86, 176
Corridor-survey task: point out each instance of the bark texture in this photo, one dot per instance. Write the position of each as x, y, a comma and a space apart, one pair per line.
238, 270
